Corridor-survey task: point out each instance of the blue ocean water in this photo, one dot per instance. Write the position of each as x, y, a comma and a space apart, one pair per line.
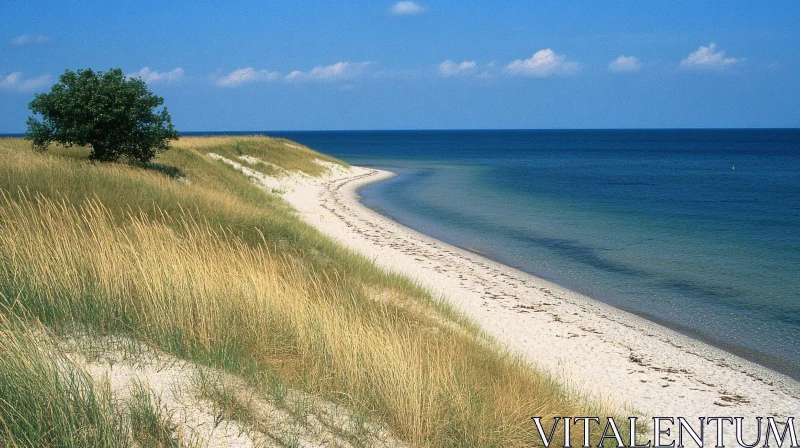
695, 229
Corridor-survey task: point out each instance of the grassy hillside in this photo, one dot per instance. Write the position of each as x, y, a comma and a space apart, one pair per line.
188, 256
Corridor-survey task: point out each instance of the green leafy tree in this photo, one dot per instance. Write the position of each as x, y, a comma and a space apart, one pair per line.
114, 115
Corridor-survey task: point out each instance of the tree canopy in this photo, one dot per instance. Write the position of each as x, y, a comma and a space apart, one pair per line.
116, 116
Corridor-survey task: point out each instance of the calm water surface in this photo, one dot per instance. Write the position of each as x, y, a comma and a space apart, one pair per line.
695, 229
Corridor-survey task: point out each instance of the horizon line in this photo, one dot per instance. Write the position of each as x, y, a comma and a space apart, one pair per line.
506, 129
212, 132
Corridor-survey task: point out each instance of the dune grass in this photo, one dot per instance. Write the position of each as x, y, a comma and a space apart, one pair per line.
150, 426
278, 152
189, 256
45, 400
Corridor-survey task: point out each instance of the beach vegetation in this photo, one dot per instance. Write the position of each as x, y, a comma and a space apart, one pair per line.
151, 427
45, 400
113, 115
195, 260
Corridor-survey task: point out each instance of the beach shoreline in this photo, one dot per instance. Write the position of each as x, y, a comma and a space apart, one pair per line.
609, 354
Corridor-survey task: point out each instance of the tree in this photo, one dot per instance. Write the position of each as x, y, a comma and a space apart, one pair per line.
115, 115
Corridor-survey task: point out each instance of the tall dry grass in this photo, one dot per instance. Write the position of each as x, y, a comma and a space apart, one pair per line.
235, 298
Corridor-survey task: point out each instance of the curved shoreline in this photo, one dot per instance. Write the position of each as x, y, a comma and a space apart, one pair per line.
593, 347
778, 365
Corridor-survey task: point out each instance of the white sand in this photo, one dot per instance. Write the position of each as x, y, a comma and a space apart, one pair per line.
618, 357
299, 419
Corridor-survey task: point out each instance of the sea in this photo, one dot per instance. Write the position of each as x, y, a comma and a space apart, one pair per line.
697, 230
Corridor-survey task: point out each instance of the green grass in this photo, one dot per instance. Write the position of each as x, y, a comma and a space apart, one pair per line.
150, 425
227, 403
191, 257
45, 400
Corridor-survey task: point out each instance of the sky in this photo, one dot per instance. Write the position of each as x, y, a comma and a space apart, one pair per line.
422, 64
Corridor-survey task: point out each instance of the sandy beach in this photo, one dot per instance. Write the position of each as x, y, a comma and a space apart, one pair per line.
628, 362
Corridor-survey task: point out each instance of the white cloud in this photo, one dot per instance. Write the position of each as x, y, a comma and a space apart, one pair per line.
337, 71
15, 82
543, 63
450, 68
625, 64
407, 8
27, 40
152, 76
246, 75
706, 58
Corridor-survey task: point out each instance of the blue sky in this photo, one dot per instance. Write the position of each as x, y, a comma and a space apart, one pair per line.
307, 65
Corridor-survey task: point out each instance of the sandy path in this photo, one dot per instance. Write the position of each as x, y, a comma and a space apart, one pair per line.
296, 419
596, 348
